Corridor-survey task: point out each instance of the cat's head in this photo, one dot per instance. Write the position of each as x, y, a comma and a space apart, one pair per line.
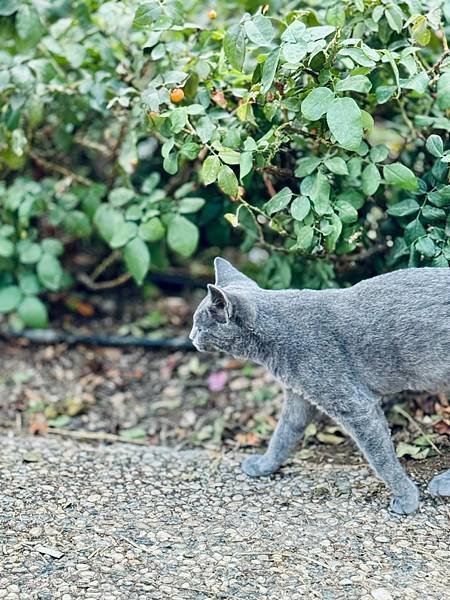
224, 319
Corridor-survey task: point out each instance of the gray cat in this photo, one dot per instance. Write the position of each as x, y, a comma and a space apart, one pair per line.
340, 351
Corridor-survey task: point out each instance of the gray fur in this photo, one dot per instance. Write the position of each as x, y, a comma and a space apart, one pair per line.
339, 350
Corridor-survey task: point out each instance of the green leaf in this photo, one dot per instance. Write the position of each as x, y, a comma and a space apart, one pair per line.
182, 236
8, 7
347, 213
152, 231
413, 231
370, 179
334, 233
300, 207
279, 201
430, 213
316, 103
52, 246
146, 14
229, 156
227, 181
123, 234
210, 169
294, 53
170, 163
10, 296
259, 30
107, 220
435, 145
404, 208
50, 272
379, 153
269, 69
6, 248
394, 16
385, 93
443, 91
29, 252
191, 205
345, 122
137, 259
336, 165
354, 83
178, 118
418, 83
425, 246
320, 195
305, 237
234, 46
440, 197
307, 165
245, 164
33, 312
120, 196
29, 284
28, 24
190, 150
400, 176
295, 32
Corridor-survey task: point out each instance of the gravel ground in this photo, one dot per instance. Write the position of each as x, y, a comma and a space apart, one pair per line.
86, 521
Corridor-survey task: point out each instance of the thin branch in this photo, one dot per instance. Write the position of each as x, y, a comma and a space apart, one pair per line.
269, 185
413, 422
106, 262
103, 285
92, 145
53, 167
98, 436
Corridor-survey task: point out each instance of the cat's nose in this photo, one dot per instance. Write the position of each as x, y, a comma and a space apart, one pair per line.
193, 333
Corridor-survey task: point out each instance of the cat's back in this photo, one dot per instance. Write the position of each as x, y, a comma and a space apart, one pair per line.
407, 285
400, 325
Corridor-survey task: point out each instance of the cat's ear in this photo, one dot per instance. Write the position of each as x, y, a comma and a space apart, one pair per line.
226, 274
221, 306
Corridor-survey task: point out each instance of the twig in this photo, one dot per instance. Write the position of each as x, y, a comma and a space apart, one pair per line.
103, 285
92, 145
269, 185
98, 436
106, 262
408, 121
50, 166
411, 419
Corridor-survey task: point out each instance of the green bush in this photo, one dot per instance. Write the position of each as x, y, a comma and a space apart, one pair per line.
316, 131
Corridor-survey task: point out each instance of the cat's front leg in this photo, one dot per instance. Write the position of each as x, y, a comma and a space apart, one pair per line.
364, 420
295, 416
440, 484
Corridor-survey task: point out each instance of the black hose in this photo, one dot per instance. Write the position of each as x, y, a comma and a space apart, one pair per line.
49, 336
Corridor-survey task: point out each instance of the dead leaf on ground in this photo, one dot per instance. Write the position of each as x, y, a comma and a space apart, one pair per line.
32, 457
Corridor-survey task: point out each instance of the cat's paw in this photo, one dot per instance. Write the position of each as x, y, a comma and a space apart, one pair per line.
406, 503
440, 485
257, 466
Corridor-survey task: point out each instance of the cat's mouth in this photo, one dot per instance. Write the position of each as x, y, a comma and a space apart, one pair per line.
203, 347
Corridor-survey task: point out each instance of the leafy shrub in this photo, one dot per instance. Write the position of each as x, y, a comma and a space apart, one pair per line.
315, 131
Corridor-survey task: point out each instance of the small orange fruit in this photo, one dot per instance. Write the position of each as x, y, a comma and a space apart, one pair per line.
177, 95
212, 15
